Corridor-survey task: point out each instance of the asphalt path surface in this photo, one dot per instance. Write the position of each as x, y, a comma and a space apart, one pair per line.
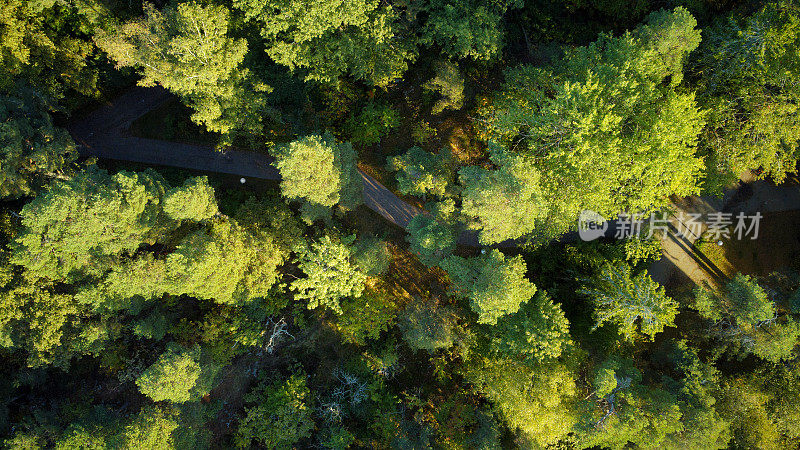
104, 133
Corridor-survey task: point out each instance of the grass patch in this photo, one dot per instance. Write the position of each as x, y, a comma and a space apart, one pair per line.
709, 247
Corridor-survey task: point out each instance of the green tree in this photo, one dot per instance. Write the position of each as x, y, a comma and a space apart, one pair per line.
82, 226
44, 43
330, 273
605, 127
538, 401
744, 404
744, 315
78, 437
371, 123
696, 385
151, 429
32, 150
630, 413
193, 201
187, 49
421, 173
225, 262
431, 239
330, 39
272, 216
366, 316
466, 29
537, 332
503, 204
449, 83
50, 327
320, 171
78, 226
371, 254
747, 67
495, 285
428, 326
280, 416
173, 376
624, 300
222, 261
742, 299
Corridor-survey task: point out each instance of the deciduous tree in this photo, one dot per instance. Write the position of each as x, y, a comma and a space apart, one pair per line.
421, 173
187, 49
605, 127
747, 69
32, 150
495, 285
330, 273
466, 29
505, 203
280, 416
330, 39
320, 171
78, 226
173, 376
537, 332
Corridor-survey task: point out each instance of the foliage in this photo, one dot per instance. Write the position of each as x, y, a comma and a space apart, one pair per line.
330, 39
421, 173
537, 401
449, 83
374, 121
280, 415
703, 427
537, 332
271, 216
631, 413
41, 42
138, 313
743, 404
466, 29
624, 300
605, 128
371, 255
32, 149
504, 203
747, 66
172, 377
193, 201
78, 226
330, 273
428, 326
431, 239
151, 429
320, 171
640, 249
226, 263
187, 49
51, 327
744, 315
366, 316
495, 285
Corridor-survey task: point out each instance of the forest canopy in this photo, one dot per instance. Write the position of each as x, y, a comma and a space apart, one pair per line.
355, 224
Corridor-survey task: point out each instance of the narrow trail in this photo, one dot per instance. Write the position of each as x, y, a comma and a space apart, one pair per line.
104, 133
